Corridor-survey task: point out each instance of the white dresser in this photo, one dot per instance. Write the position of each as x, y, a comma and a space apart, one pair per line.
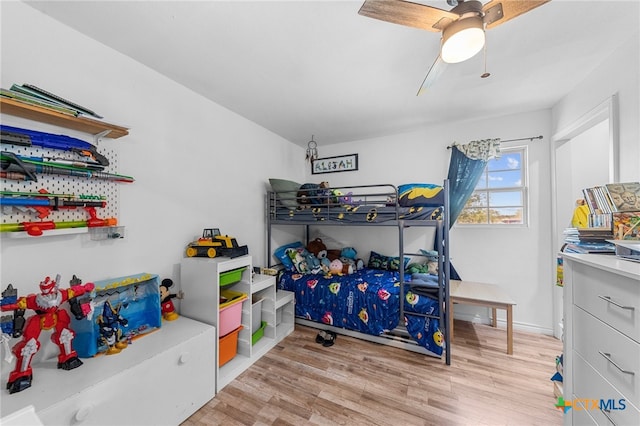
601, 340
160, 379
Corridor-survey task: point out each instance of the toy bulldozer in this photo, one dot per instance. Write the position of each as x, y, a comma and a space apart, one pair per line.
213, 244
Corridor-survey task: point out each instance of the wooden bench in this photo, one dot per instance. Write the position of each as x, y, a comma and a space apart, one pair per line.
480, 294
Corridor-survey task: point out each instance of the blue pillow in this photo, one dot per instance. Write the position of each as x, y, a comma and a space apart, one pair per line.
387, 263
420, 195
281, 254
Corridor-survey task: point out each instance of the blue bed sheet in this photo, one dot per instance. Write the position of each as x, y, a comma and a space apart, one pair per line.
366, 301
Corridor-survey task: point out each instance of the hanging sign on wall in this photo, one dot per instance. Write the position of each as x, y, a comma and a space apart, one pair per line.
340, 163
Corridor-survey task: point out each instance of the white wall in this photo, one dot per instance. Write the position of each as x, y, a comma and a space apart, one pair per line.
516, 258
189, 155
619, 73
196, 164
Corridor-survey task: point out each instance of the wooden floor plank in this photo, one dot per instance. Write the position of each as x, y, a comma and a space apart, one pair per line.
356, 382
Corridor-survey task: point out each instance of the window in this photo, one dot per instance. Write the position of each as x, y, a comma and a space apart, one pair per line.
500, 195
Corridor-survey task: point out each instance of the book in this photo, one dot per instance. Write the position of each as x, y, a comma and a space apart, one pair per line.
626, 225
34, 91
29, 100
625, 197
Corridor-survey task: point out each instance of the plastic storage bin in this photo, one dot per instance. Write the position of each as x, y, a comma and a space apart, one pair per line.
230, 311
256, 314
231, 277
258, 333
228, 347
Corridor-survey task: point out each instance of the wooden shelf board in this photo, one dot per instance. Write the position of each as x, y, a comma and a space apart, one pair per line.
44, 115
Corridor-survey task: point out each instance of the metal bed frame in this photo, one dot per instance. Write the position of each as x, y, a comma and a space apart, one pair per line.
381, 194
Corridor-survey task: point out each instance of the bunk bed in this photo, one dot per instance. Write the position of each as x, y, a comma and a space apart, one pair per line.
367, 303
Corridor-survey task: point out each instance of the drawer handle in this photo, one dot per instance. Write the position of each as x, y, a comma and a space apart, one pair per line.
606, 414
608, 358
613, 302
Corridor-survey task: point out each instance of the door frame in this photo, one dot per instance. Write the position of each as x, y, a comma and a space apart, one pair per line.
607, 110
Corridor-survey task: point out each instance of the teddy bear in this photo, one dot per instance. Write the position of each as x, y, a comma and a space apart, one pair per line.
319, 250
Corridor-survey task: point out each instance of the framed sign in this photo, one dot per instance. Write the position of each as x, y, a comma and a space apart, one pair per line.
339, 163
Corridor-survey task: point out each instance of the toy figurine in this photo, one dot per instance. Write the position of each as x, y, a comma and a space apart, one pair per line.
168, 310
110, 332
49, 316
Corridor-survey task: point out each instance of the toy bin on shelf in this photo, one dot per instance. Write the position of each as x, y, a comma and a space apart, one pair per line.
231, 277
228, 347
256, 313
230, 311
258, 333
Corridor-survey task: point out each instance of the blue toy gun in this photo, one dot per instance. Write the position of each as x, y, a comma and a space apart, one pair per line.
24, 137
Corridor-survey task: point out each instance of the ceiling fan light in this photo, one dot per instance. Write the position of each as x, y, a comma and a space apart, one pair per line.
462, 39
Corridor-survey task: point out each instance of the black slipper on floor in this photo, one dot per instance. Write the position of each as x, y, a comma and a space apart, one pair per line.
330, 339
322, 335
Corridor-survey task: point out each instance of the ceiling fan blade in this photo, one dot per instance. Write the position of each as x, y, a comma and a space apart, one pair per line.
406, 13
498, 12
432, 75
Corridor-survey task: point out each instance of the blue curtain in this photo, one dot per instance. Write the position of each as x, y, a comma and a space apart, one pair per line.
465, 168
464, 173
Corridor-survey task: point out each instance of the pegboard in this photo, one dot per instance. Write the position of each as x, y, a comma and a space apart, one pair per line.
60, 184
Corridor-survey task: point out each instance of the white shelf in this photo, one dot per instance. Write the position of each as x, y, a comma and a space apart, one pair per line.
200, 286
283, 297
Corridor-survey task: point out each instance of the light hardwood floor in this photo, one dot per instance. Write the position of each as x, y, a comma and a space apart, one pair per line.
355, 382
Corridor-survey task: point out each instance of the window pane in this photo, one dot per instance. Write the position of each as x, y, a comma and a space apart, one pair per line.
473, 216
507, 216
477, 199
505, 199
507, 179
508, 161
482, 182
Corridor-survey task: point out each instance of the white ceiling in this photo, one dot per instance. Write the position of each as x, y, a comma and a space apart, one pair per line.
317, 67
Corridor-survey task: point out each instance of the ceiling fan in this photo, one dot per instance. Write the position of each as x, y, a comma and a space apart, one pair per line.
462, 28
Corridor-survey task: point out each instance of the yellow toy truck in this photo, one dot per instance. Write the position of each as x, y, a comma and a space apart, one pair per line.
213, 244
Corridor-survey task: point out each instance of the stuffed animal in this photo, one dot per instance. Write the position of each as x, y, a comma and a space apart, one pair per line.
313, 264
336, 267
348, 255
333, 254
313, 193
318, 248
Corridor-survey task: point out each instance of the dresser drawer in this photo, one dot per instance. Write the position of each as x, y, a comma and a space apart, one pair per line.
589, 385
164, 389
596, 342
615, 299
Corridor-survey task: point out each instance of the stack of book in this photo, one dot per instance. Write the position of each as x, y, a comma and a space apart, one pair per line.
616, 206
588, 240
33, 95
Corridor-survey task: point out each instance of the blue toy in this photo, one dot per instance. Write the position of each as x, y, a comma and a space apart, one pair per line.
109, 326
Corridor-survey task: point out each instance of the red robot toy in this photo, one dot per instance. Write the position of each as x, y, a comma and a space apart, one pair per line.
49, 316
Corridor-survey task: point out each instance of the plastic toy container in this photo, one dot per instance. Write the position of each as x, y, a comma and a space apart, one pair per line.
228, 347
258, 333
256, 314
230, 311
231, 277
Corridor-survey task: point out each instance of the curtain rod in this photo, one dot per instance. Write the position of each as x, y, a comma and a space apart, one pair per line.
515, 140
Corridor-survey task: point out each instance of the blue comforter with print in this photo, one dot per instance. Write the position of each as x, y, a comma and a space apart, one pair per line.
366, 301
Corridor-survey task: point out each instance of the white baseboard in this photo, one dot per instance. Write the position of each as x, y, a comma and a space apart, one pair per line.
503, 323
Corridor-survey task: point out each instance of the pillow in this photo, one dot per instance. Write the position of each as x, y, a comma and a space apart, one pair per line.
387, 263
420, 195
286, 189
281, 254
